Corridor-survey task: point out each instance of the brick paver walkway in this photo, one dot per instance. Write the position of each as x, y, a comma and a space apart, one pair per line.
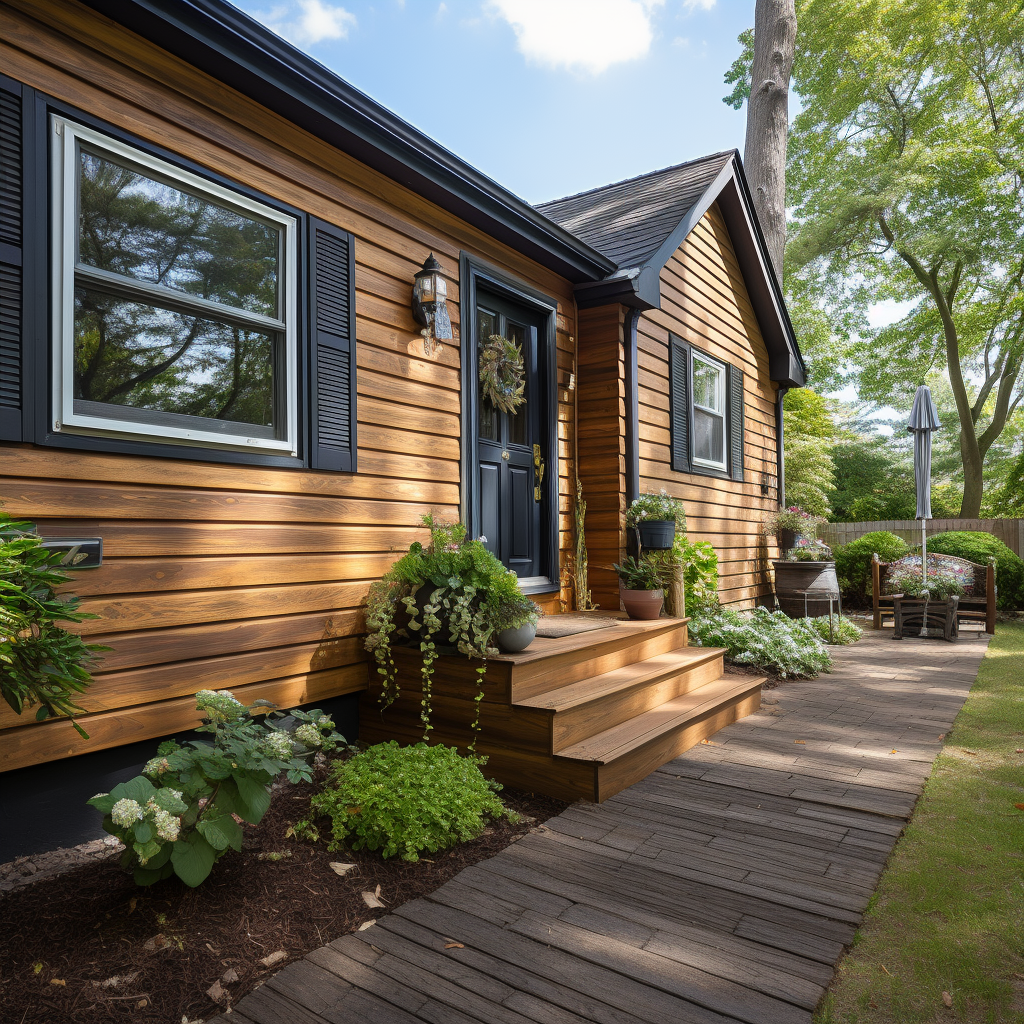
721, 888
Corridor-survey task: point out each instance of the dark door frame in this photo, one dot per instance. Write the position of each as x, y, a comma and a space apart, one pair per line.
474, 273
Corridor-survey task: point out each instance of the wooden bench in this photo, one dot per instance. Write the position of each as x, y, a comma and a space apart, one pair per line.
977, 604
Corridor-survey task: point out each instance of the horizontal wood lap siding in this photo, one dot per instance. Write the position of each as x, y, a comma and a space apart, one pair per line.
704, 301
244, 577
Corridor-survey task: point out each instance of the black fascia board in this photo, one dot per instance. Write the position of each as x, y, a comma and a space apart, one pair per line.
234, 49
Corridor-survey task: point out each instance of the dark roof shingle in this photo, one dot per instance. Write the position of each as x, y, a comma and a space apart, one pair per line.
629, 220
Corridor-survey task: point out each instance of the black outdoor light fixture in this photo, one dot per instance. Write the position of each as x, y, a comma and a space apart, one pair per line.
430, 304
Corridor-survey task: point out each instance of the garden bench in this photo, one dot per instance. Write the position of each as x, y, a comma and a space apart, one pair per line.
978, 603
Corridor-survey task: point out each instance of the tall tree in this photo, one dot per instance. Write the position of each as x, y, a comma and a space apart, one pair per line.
764, 149
906, 173
810, 438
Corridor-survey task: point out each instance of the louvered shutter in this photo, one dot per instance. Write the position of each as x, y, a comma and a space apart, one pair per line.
332, 357
679, 402
735, 423
11, 264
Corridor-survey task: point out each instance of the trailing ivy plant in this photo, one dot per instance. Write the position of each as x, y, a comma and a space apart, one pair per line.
452, 591
179, 816
41, 663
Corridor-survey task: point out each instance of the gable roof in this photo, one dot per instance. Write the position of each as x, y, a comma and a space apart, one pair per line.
629, 220
640, 222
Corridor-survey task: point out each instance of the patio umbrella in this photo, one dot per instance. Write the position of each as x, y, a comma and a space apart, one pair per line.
923, 421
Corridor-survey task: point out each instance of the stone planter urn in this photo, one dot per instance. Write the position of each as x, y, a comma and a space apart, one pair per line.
512, 641
803, 587
642, 604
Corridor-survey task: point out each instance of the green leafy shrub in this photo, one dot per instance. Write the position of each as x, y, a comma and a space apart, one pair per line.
843, 630
405, 801
853, 562
178, 818
40, 661
979, 548
768, 641
651, 571
700, 574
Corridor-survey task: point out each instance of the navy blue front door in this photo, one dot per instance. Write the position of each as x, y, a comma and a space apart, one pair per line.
509, 445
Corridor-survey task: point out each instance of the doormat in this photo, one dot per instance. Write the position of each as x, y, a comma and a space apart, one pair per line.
554, 626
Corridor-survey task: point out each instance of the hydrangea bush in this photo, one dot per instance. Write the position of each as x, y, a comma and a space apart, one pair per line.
768, 641
181, 815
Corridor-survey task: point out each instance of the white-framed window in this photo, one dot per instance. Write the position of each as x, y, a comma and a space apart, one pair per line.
175, 305
708, 384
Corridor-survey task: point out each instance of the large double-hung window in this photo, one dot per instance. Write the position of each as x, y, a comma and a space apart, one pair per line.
176, 301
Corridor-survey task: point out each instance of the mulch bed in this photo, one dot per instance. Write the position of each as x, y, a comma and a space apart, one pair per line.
89, 946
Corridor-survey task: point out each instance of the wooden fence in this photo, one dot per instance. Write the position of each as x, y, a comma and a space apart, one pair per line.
1009, 531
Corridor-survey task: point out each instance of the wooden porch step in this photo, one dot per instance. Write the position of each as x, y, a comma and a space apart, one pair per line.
549, 664
593, 705
630, 751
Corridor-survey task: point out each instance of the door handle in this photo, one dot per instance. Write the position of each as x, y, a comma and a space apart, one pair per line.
539, 467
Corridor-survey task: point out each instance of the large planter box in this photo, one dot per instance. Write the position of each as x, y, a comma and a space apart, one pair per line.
936, 617
803, 588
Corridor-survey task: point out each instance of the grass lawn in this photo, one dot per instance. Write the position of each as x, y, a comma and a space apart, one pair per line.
943, 939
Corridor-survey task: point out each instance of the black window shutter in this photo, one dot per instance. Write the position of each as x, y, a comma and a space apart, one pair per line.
679, 402
11, 263
735, 423
332, 356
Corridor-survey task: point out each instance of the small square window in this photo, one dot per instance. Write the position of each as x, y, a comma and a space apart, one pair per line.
174, 303
709, 411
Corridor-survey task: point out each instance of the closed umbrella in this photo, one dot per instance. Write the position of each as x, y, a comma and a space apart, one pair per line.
923, 421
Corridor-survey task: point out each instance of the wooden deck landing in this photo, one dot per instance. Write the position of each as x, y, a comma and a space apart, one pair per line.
722, 888
581, 716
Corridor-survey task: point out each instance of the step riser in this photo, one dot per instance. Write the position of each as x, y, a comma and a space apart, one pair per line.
612, 778
549, 673
579, 723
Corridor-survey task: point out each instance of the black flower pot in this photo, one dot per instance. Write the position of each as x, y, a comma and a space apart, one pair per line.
657, 534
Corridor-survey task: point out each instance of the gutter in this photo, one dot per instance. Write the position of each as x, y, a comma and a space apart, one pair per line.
780, 448
632, 406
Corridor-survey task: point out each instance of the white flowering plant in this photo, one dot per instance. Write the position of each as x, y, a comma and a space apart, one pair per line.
768, 641
182, 814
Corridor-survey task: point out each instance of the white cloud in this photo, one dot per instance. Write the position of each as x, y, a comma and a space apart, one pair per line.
312, 22
698, 5
582, 35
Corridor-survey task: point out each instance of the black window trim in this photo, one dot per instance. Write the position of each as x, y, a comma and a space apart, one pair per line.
37, 314
683, 462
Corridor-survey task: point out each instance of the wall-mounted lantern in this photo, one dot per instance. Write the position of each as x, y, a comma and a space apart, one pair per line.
769, 483
430, 304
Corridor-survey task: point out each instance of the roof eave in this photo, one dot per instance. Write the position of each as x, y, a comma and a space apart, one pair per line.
230, 47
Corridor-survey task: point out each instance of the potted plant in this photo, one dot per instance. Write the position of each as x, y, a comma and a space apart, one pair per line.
925, 608
515, 624
656, 518
641, 585
791, 524
450, 596
805, 580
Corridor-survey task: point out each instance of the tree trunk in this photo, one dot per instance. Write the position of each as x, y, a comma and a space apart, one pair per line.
764, 151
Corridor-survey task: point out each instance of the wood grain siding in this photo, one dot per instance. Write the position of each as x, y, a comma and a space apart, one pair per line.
234, 576
704, 301
602, 445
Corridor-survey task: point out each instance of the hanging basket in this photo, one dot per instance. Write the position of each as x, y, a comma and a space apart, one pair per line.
502, 374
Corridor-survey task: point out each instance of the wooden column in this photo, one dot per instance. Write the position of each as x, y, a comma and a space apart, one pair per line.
602, 452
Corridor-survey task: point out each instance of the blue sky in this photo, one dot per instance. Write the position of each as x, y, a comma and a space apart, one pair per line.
548, 97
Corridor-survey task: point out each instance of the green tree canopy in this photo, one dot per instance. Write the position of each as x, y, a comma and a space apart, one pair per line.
906, 180
809, 439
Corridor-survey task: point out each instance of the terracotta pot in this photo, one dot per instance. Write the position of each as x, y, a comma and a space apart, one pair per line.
657, 534
642, 604
511, 641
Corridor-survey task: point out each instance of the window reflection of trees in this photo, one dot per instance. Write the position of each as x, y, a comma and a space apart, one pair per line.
131, 352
